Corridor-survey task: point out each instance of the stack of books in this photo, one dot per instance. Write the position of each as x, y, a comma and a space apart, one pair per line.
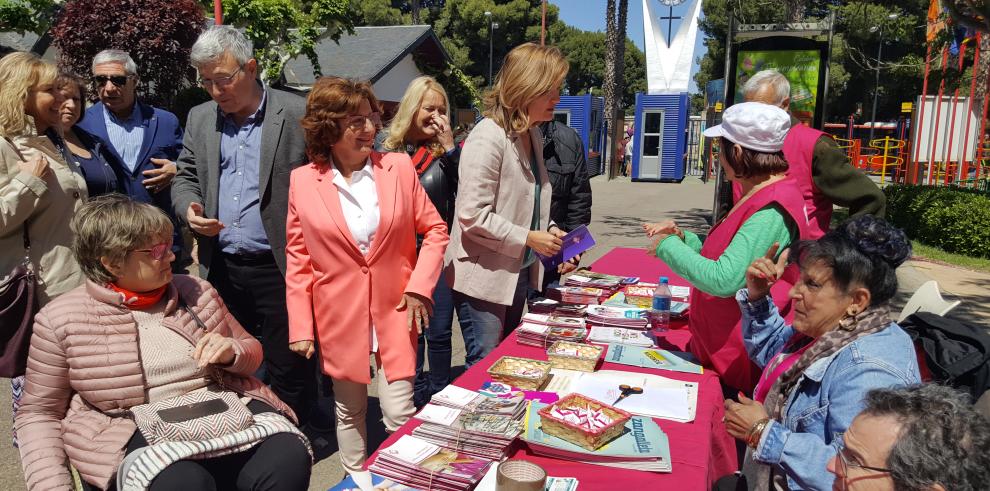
470, 401
542, 335
415, 462
642, 447
487, 436
555, 319
578, 294
620, 335
614, 316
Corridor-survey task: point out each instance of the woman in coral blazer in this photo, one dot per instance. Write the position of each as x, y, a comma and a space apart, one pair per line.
353, 280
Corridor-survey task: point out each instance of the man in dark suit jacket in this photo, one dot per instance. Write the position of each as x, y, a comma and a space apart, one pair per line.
145, 140
232, 189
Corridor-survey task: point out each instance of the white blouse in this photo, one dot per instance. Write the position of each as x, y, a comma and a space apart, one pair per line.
359, 202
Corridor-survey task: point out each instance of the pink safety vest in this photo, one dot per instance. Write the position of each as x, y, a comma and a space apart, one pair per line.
714, 322
799, 149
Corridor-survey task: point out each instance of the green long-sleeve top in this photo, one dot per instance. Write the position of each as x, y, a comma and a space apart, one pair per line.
724, 276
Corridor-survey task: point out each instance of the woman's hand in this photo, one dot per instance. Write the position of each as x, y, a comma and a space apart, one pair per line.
419, 309
740, 417
37, 167
764, 272
304, 349
214, 349
665, 227
545, 243
445, 135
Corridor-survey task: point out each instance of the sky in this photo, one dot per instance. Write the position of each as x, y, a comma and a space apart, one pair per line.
589, 15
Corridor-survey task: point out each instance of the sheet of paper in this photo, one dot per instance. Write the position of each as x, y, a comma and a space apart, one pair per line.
457, 396
440, 415
598, 384
412, 449
680, 291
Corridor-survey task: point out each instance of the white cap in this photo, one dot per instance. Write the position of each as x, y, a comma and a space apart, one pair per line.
754, 125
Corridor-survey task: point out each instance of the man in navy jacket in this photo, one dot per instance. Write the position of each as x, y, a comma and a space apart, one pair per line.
146, 140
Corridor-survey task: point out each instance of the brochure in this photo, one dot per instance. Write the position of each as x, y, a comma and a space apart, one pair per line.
574, 243
678, 404
650, 358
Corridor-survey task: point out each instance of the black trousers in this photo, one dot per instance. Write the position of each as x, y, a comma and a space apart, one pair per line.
253, 289
281, 462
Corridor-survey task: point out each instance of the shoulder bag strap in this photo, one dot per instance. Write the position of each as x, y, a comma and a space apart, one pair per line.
27, 223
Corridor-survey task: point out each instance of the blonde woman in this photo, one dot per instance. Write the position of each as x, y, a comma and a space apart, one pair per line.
503, 198
39, 192
421, 129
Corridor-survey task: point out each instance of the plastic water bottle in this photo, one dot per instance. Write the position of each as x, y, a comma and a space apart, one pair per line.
660, 312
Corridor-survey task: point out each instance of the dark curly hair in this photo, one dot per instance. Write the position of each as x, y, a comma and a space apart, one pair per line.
942, 439
332, 98
863, 251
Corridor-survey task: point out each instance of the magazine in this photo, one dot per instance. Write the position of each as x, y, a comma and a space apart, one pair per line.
638, 356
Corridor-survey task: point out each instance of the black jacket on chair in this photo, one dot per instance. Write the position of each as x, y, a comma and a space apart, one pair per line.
957, 354
563, 154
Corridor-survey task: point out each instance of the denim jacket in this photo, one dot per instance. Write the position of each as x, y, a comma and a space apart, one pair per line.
826, 397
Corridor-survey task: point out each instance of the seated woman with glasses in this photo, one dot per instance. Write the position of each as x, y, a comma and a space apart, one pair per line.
817, 371
354, 283
145, 378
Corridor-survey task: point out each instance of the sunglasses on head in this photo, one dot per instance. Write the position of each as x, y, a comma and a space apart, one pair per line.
157, 251
116, 80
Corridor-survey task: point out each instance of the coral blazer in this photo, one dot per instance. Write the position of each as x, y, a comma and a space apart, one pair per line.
334, 293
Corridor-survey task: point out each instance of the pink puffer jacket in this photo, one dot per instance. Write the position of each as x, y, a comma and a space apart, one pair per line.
84, 372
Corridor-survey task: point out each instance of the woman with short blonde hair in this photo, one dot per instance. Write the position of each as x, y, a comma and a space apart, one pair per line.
503, 198
421, 129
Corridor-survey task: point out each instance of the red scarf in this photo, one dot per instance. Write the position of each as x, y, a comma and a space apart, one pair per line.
139, 300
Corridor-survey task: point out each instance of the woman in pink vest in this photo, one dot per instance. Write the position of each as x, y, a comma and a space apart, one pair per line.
771, 211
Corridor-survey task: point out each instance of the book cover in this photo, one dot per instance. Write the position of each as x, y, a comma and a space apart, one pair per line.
638, 356
575, 242
642, 439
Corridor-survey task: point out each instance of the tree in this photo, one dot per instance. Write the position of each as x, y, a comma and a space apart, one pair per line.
26, 15
157, 33
284, 29
585, 51
377, 13
615, 34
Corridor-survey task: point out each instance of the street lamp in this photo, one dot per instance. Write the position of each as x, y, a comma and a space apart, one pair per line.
876, 87
492, 25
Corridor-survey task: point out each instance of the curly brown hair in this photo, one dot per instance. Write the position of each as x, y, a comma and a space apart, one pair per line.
332, 98
750, 162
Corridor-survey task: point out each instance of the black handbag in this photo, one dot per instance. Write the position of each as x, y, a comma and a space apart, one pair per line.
18, 305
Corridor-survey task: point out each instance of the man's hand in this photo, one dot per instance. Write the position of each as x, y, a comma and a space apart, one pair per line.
207, 227
570, 265
160, 178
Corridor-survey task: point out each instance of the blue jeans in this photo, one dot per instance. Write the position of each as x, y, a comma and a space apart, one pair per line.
490, 322
435, 342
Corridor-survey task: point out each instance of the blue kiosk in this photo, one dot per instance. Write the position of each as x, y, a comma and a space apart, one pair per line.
659, 141
586, 115
660, 136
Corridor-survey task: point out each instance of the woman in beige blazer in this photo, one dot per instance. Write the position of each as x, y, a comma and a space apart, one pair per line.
38, 190
503, 199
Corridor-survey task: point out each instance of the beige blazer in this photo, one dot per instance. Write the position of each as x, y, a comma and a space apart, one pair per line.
494, 210
47, 205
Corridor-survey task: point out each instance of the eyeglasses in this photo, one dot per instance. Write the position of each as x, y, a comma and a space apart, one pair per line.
358, 123
220, 81
117, 80
158, 251
845, 464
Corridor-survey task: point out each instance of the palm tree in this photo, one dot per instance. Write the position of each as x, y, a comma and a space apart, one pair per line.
614, 80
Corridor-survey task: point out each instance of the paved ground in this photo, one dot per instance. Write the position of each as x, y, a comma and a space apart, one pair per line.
620, 207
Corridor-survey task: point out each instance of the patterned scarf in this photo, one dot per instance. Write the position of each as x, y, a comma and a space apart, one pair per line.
873, 319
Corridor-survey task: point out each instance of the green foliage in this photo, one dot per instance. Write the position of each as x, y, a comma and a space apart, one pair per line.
585, 51
378, 13
854, 49
283, 29
955, 220
26, 15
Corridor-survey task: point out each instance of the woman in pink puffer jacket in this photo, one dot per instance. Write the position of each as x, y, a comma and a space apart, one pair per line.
125, 339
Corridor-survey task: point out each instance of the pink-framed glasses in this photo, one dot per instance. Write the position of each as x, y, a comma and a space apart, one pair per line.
157, 251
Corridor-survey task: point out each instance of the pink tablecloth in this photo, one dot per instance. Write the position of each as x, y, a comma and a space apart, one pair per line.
701, 451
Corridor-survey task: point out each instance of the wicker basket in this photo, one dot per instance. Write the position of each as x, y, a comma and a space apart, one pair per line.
507, 370
585, 361
582, 437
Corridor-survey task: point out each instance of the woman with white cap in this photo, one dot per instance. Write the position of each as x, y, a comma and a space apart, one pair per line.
767, 218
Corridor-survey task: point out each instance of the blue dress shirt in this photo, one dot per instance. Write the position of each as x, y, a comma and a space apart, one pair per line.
126, 135
240, 202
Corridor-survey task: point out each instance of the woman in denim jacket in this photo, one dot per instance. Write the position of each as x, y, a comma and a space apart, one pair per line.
817, 371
